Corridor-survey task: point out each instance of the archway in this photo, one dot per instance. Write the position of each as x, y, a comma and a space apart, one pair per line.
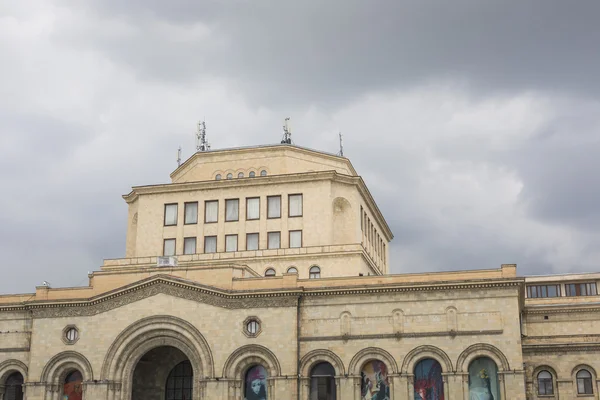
163, 373
13, 387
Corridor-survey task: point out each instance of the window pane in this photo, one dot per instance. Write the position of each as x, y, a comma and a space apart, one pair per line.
253, 208
274, 240
191, 213
263, 173
274, 206
252, 174
552, 292
170, 214
189, 245
232, 209
211, 211
295, 239
295, 205
210, 244
231, 242
252, 241
169, 247
570, 289
593, 289
544, 291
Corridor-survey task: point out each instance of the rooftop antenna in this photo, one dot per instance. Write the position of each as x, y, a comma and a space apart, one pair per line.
179, 157
287, 133
201, 142
341, 152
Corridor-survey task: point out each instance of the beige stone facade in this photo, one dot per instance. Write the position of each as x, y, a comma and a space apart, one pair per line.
137, 325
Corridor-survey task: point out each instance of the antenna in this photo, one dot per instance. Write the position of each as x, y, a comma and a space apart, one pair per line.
287, 133
341, 152
201, 142
179, 156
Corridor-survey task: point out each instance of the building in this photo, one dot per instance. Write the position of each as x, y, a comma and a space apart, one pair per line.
263, 273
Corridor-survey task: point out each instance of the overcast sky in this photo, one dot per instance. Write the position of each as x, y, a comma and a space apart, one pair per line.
476, 124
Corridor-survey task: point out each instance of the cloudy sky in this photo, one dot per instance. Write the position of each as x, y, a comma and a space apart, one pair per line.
476, 125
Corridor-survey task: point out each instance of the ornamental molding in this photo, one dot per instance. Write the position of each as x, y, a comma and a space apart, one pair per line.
554, 348
561, 309
399, 336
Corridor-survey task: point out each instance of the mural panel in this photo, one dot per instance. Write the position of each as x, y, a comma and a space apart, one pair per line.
256, 383
483, 380
374, 381
429, 384
72, 389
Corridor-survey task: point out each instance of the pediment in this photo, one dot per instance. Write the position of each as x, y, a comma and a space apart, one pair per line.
162, 284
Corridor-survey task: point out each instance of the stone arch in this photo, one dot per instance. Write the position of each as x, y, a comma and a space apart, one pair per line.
481, 350
370, 354
345, 323
422, 352
242, 359
11, 366
314, 357
56, 370
218, 172
343, 221
587, 367
535, 373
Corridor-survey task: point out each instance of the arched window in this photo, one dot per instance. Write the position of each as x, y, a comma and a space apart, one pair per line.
374, 383
584, 382
263, 173
252, 174
218, 177
256, 384
545, 386
14, 388
314, 272
72, 388
428, 380
240, 175
270, 272
322, 382
229, 176
292, 270
483, 379
180, 382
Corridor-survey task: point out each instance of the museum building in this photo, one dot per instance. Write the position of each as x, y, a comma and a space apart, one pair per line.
263, 273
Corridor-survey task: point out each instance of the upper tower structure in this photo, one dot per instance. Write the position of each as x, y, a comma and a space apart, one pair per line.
275, 209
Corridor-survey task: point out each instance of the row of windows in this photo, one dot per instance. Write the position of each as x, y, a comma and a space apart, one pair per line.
371, 234
571, 290
251, 174
546, 384
313, 273
232, 210
231, 243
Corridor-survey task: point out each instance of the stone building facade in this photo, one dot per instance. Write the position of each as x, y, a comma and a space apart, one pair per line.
263, 273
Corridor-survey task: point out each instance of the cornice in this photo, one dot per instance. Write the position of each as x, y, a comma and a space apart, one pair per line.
399, 336
553, 348
568, 309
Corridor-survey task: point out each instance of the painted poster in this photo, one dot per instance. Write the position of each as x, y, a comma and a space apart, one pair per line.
374, 381
428, 380
483, 380
72, 390
256, 383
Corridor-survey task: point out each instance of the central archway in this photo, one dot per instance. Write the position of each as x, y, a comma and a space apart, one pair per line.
163, 373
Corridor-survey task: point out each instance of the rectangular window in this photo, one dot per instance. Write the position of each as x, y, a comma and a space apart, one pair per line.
295, 239
253, 208
252, 241
274, 207
295, 205
231, 242
232, 210
169, 247
540, 291
211, 211
274, 240
210, 244
170, 214
581, 289
189, 245
191, 213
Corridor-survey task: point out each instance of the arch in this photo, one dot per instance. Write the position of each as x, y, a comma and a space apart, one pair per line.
245, 357
59, 366
293, 269
270, 271
422, 352
314, 357
370, 354
536, 375
579, 367
314, 272
156, 331
11, 366
481, 350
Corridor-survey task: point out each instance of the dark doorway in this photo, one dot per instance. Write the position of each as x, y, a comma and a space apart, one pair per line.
14, 387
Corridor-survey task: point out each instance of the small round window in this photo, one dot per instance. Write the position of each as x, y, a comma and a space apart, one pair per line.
263, 173
270, 272
252, 327
241, 175
218, 177
229, 176
314, 272
70, 334
292, 270
252, 174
